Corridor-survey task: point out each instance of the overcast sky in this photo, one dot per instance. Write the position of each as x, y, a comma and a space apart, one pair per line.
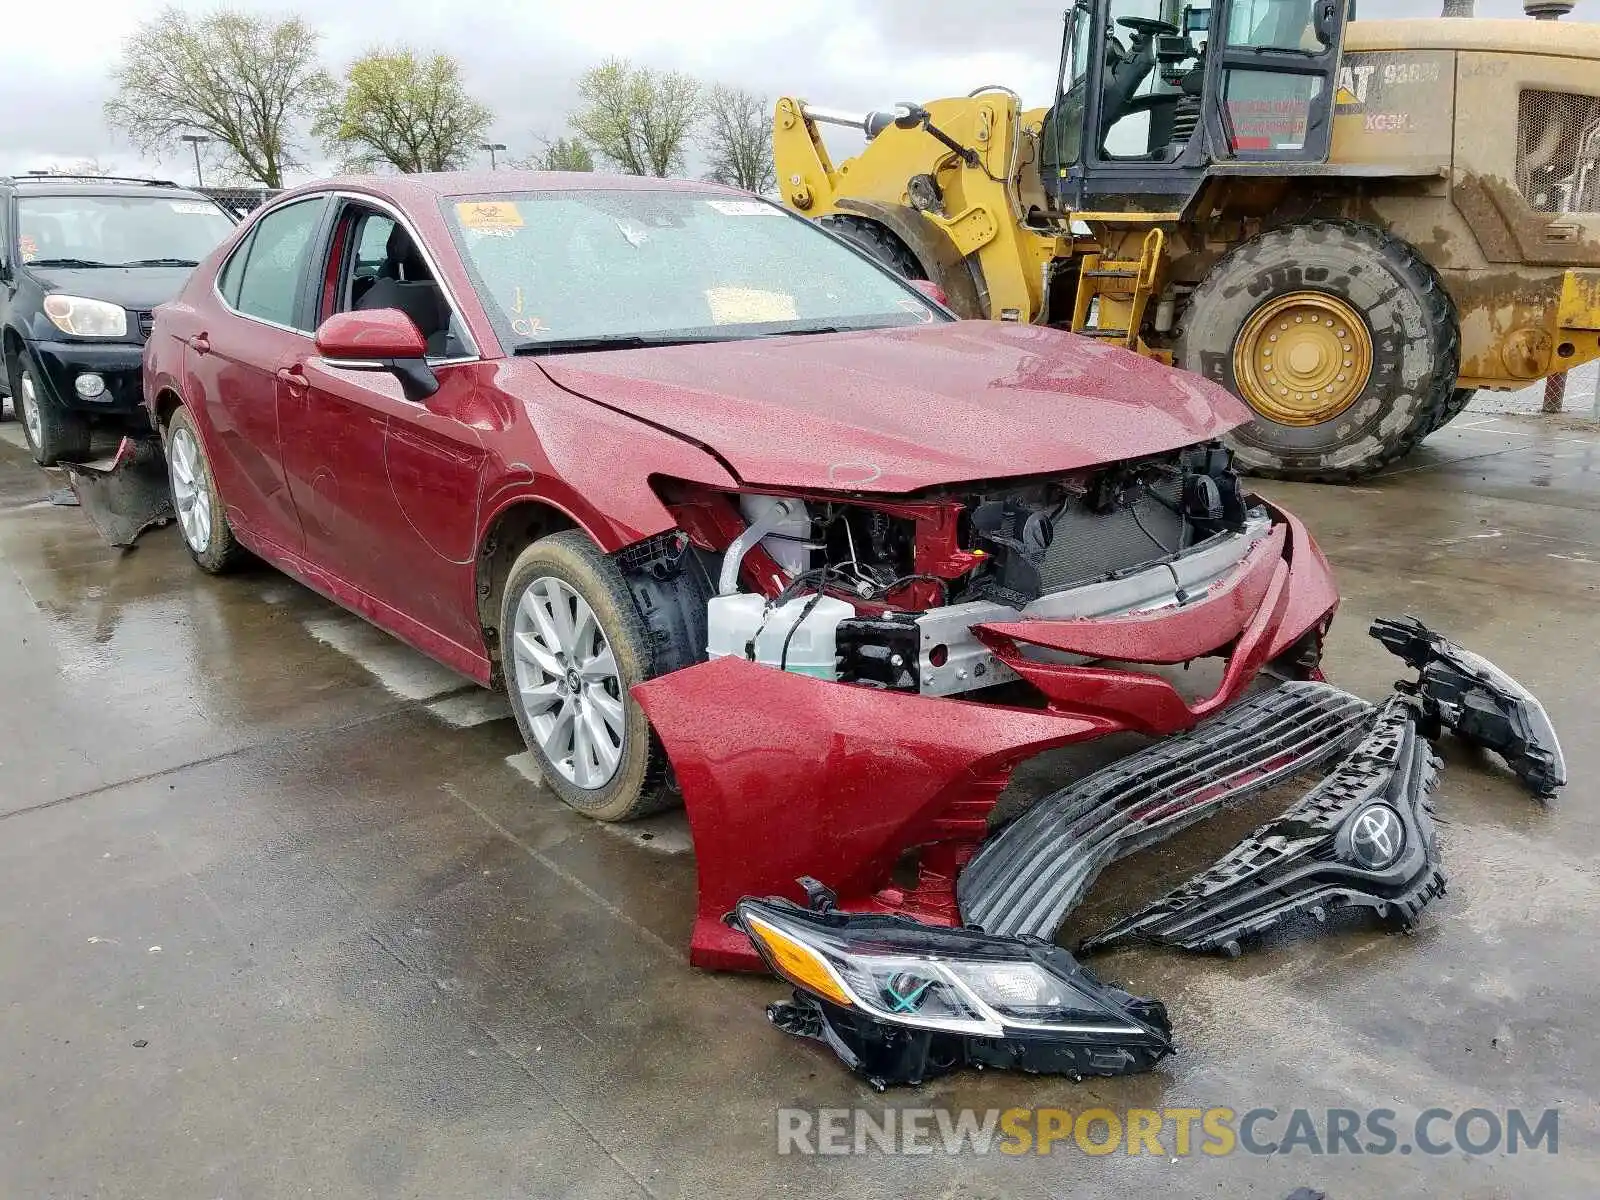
522, 57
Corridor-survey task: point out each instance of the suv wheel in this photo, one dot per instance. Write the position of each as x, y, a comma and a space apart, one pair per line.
53, 433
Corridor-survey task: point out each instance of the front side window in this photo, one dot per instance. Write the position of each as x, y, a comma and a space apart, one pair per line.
569, 267
275, 261
382, 267
117, 231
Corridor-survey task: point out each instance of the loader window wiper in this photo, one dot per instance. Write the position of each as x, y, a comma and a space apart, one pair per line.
162, 262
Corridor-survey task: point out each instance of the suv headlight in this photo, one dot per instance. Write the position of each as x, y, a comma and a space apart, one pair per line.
86, 318
863, 981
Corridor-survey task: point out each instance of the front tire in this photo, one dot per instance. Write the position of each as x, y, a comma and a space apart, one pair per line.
1339, 337
572, 644
201, 518
877, 242
1454, 406
52, 432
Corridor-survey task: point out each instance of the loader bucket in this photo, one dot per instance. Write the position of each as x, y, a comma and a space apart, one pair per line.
127, 497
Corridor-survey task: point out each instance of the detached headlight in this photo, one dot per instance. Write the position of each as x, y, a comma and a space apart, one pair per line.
86, 318
900, 1001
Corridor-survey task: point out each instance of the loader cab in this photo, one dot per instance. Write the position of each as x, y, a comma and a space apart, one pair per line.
1154, 96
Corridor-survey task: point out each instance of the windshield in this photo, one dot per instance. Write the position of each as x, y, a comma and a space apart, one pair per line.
118, 231
573, 267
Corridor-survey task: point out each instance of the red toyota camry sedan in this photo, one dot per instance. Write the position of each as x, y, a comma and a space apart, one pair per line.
731, 512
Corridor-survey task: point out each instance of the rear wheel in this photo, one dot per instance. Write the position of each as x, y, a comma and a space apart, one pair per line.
1339, 337
201, 517
572, 644
878, 242
53, 433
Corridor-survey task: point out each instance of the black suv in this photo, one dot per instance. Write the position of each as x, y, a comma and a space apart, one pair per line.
83, 261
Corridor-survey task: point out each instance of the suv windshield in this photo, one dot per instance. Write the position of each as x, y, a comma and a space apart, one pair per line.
589, 269
118, 231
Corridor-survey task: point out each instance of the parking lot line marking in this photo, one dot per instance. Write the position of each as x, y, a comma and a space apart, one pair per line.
649, 936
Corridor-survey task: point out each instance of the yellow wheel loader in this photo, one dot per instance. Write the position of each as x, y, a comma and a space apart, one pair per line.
1351, 227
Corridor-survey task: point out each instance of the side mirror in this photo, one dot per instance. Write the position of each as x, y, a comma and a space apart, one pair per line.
382, 339
931, 290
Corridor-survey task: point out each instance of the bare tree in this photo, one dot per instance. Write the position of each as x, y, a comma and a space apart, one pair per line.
563, 154
244, 80
1457, 8
405, 110
738, 139
83, 166
637, 118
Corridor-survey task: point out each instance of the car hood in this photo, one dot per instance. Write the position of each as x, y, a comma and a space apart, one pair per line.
899, 410
131, 287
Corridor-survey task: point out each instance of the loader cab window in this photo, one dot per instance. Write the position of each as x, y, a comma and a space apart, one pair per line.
1150, 78
1154, 69
1268, 110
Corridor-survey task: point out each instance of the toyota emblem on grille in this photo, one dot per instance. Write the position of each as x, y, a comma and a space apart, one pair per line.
1376, 837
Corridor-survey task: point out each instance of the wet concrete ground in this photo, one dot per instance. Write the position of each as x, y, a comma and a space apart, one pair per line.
280, 915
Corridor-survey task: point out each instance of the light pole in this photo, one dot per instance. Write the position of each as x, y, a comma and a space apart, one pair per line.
1555, 387
196, 140
491, 147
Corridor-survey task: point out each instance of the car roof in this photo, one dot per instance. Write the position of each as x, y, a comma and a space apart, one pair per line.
429, 187
43, 185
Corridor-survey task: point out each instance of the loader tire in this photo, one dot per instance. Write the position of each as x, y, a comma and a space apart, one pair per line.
1459, 399
1364, 333
877, 242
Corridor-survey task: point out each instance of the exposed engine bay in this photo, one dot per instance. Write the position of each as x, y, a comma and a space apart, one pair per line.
886, 594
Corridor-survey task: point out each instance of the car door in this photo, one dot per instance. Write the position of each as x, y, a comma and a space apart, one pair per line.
387, 488
233, 362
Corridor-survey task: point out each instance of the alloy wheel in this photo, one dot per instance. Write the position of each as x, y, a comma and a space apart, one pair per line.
28, 403
567, 683
190, 496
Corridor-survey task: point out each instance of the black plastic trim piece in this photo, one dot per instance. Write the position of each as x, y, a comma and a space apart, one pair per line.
1478, 702
1026, 878
1362, 838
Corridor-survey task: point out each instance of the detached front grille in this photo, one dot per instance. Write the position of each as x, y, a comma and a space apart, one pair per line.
146, 320
1558, 151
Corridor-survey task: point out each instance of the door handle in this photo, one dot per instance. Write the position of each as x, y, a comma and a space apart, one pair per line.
293, 377
200, 344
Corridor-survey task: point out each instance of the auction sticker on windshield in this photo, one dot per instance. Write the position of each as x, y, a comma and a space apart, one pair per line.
749, 306
193, 208
488, 215
745, 208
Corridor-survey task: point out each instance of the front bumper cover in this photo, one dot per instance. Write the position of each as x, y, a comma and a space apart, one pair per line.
121, 364
1363, 838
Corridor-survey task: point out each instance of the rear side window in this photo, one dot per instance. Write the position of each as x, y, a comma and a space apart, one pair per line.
275, 262
233, 271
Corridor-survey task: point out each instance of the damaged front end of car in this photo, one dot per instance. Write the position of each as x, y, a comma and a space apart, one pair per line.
876, 669
878, 666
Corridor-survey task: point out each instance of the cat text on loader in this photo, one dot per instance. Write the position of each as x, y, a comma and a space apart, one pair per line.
1352, 227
